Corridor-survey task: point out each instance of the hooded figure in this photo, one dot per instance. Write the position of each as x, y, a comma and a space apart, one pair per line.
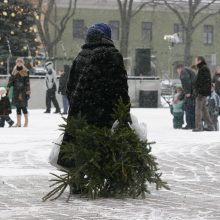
51, 88
5, 108
97, 80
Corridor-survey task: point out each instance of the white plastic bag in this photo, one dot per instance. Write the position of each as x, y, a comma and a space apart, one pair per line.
139, 128
54, 154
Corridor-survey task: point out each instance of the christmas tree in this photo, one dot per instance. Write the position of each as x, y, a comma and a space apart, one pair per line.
106, 162
18, 33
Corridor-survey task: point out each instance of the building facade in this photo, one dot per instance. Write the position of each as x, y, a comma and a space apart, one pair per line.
147, 31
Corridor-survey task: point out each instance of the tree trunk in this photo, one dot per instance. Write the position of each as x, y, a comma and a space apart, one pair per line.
125, 29
187, 50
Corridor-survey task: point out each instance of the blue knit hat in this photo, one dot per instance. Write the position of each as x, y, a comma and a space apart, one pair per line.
100, 28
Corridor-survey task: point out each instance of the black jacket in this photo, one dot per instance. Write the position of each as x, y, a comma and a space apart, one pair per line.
216, 80
97, 80
63, 83
5, 106
187, 78
203, 80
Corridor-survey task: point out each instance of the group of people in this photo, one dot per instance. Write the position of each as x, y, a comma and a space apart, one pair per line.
198, 96
51, 86
19, 80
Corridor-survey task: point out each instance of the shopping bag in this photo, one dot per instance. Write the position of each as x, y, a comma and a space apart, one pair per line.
54, 154
139, 128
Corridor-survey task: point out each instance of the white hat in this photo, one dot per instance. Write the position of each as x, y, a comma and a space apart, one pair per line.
2, 89
2, 92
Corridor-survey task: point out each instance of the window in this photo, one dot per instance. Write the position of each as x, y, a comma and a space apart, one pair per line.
208, 34
178, 28
146, 31
115, 26
78, 29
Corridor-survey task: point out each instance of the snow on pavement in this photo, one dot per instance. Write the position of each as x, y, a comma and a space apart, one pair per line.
190, 162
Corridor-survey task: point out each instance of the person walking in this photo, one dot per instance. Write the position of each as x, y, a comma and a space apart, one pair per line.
51, 88
20, 82
97, 80
187, 78
5, 108
64, 75
202, 90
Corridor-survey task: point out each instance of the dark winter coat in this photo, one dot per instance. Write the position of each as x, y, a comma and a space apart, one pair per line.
203, 80
63, 83
216, 80
5, 106
21, 87
187, 78
97, 80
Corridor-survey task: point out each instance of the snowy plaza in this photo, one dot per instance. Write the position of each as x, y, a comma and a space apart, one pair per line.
189, 162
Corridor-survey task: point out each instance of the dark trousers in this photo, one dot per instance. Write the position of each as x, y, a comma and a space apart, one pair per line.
51, 97
21, 109
5, 118
190, 112
178, 119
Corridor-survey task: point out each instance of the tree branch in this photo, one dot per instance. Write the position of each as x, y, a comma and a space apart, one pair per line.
174, 10
205, 18
204, 7
140, 8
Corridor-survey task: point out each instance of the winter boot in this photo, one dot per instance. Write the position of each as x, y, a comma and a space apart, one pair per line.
25, 120
10, 123
57, 111
18, 124
47, 111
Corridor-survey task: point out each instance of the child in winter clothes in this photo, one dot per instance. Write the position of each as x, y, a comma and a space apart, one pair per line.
178, 108
5, 108
213, 105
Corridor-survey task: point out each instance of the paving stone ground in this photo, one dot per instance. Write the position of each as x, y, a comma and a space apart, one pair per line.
189, 162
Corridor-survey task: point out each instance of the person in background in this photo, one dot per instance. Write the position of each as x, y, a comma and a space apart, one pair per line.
202, 90
187, 78
51, 88
216, 80
5, 108
177, 108
20, 82
64, 75
213, 105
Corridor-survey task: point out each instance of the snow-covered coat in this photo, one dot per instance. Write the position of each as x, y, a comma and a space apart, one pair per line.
97, 80
20, 82
50, 76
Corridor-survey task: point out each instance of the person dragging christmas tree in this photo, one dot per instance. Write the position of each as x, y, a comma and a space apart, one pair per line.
100, 152
20, 82
97, 79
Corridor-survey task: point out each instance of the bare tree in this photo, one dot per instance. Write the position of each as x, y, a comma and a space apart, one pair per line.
127, 13
44, 23
191, 14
